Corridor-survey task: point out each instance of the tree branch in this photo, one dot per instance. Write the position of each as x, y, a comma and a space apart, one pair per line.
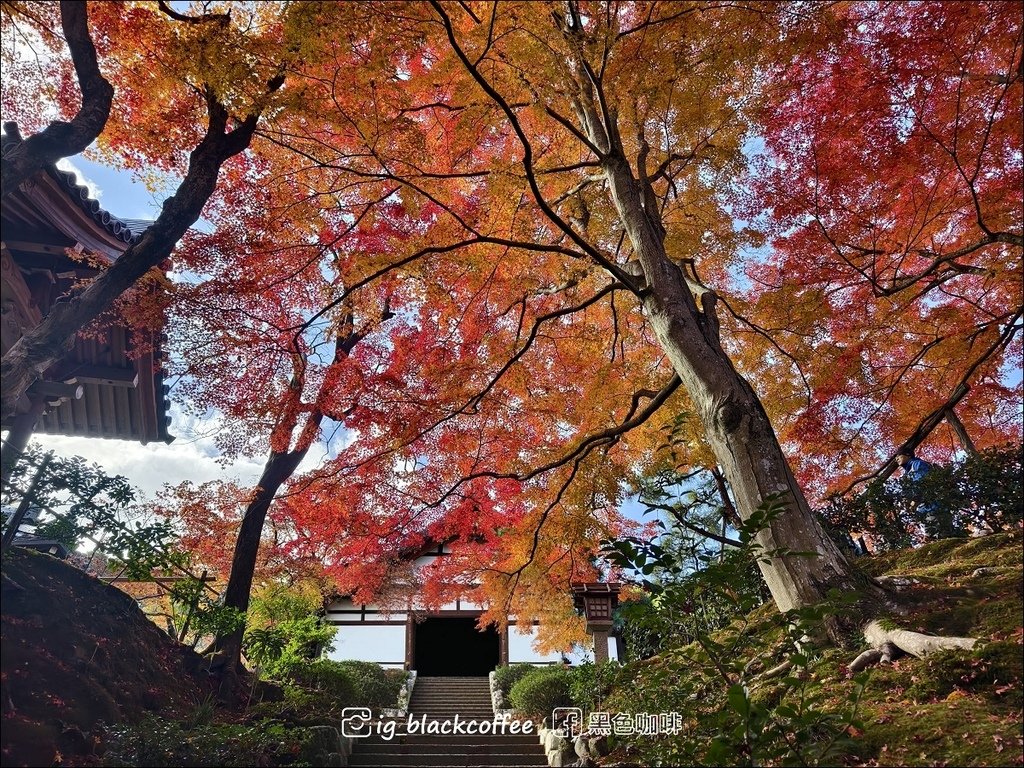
63, 139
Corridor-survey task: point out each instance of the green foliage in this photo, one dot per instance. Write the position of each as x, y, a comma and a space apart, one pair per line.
540, 691
157, 742
82, 504
590, 684
206, 616
322, 687
289, 642
731, 716
374, 686
507, 676
983, 493
273, 603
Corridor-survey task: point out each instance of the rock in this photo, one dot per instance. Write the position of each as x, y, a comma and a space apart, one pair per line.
984, 572
323, 743
582, 749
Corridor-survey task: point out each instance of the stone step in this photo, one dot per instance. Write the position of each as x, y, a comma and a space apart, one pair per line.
451, 700
445, 759
451, 686
423, 741
490, 748
450, 697
454, 709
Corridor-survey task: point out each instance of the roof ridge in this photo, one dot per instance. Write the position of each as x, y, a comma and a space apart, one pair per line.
128, 231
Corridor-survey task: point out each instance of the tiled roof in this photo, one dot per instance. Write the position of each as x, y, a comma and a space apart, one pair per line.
125, 230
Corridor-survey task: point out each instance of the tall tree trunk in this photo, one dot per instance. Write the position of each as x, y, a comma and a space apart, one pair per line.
960, 431
279, 468
49, 341
735, 422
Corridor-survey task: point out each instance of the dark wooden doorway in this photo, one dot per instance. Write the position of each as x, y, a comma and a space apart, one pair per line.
453, 646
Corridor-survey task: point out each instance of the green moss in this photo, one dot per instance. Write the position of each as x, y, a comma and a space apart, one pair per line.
952, 708
959, 730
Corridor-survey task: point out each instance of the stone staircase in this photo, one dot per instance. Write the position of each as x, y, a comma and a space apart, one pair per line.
440, 699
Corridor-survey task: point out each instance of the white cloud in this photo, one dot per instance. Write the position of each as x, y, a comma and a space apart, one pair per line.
149, 467
94, 190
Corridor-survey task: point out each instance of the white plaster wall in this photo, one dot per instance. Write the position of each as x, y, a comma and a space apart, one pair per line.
382, 644
521, 650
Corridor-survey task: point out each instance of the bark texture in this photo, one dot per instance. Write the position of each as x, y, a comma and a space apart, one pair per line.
736, 425
280, 467
61, 138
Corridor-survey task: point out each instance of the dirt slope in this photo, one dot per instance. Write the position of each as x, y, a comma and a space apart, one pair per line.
77, 653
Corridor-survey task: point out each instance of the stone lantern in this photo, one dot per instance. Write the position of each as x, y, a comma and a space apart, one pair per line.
597, 601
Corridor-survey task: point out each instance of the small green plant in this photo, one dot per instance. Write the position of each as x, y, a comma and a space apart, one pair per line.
374, 686
743, 702
540, 691
206, 616
590, 684
507, 676
157, 742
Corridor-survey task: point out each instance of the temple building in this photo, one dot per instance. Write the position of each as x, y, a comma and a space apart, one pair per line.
54, 234
435, 643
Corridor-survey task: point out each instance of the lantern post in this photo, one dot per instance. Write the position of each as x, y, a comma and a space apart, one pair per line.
597, 601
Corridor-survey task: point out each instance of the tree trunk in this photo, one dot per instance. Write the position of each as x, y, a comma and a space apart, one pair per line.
960, 431
735, 422
744, 443
276, 472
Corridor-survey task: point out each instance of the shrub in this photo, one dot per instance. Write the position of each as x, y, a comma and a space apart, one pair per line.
540, 691
157, 742
590, 684
289, 642
374, 686
507, 676
329, 684
983, 493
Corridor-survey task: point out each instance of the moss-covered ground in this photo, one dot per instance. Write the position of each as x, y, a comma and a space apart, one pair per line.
956, 708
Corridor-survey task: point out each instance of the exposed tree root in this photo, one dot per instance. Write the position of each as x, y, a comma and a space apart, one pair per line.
889, 644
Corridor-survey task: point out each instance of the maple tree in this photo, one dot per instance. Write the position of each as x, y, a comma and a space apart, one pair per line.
548, 151
540, 147
891, 175
489, 245
63, 138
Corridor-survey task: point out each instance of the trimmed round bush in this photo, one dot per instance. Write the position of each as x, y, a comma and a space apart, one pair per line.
325, 677
507, 676
540, 691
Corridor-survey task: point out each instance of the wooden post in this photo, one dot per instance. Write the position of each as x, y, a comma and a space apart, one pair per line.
410, 639
26, 502
22, 427
600, 646
503, 644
